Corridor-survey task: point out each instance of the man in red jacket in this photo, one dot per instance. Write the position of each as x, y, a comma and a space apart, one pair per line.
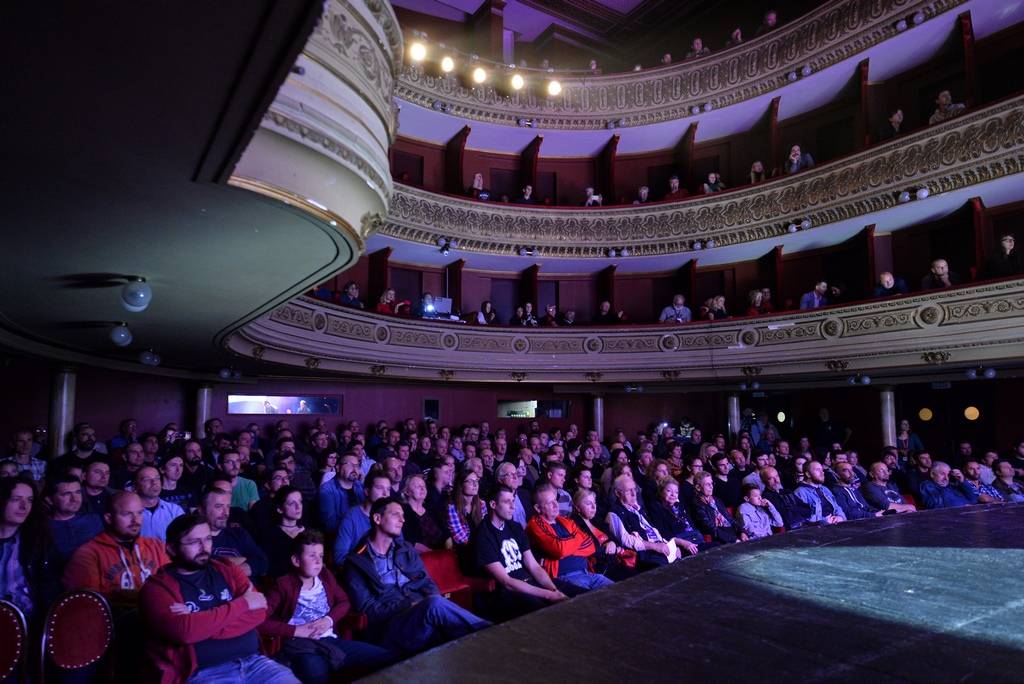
201, 615
563, 549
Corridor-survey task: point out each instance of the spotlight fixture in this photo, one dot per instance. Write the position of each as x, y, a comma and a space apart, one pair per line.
622, 122
865, 379
743, 386
806, 70
442, 241
454, 244
971, 373
479, 75
923, 192
989, 373
791, 76
710, 243
792, 227
805, 224
901, 25
708, 106
695, 110
980, 372
755, 385
554, 88
904, 197
447, 64
697, 244
859, 379
523, 122
523, 252
136, 295
918, 18
612, 253
439, 106
417, 52
224, 373
121, 335
149, 358
517, 82
624, 252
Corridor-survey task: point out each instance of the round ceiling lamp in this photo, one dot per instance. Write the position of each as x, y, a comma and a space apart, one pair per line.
554, 88
136, 295
479, 75
121, 335
517, 82
417, 52
447, 64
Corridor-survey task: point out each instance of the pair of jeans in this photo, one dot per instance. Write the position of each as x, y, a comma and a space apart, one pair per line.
311, 668
585, 580
434, 620
254, 669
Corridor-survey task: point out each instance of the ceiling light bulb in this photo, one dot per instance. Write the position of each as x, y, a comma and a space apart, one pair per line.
865, 379
479, 75
806, 70
792, 228
922, 193
904, 197
805, 224
625, 251
417, 52
224, 373
989, 373
136, 295
554, 88
901, 25
918, 18
612, 253
121, 335
447, 65
518, 82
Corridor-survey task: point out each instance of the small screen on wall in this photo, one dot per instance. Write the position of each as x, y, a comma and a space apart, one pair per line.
532, 409
267, 404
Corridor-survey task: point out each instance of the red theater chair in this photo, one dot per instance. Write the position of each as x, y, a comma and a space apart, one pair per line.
14, 637
443, 568
79, 630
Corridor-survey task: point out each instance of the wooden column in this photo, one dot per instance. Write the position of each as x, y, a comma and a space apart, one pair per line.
684, 158
377, 276
686, 283
769, 268
970, 64
454, 152
453, 283
773, 136
606, 286
868, 238
983, 237
488, 24
528, 162
528, 287
604, 171
863, 128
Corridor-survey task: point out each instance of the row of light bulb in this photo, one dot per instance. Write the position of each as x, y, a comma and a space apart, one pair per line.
136, 296
479, 75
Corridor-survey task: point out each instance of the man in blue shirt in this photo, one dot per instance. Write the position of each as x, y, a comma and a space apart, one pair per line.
356, 522
341, 493
849, 497
816, 298
812, 491
69, 526
940, 492
677, 313
231, 543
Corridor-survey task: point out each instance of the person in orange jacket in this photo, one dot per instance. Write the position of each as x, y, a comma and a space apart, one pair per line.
117, 561
563, 549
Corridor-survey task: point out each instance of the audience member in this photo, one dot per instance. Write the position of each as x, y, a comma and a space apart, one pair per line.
276, 541
768, 23
343, 492
795, 511
735, 38
666, 59
712, 515
816, 298
201, 615
486, 315
984, 493
939, 276
757, 173
563, 549
550, 317
527, 196
390, 304
467, 508
880, 494
232, 543
350, 296
356, 523
669, 517
891, 128
798, 160
629, 526
945, 108
1006, 262
134, 458
675, 192
713, 183
945, 488
157, 513
23, 457
477, 190
29, 563
889, 285
812, 491
697, 49
69, 526
605, 315
1006, 484
590, 199
847, 492
677, 312
756, 514
642, 195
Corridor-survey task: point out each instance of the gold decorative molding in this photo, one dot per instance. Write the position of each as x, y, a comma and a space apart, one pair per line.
980, 146
833, 33
982, 328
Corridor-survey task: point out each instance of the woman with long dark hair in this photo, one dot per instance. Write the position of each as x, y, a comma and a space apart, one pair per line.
29, 576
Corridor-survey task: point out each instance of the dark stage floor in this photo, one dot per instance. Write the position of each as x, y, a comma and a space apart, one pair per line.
936, 596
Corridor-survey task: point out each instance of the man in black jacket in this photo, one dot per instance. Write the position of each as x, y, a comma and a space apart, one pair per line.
793, 510
386, 580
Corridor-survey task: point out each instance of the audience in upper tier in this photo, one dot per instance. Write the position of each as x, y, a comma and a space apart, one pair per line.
543, 514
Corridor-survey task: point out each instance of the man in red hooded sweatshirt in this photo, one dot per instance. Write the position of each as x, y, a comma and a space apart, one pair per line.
201, 615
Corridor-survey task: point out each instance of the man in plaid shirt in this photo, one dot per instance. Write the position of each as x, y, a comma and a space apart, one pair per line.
23, 456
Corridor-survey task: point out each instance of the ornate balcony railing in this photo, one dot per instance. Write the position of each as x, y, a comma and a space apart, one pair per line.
975, 324
836, 31
980, 146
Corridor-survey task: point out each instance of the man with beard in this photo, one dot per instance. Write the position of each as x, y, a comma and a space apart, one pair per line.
201, 615
85, 447
233, 544
794, 511
197, 473
134, 457
157, 514
341, 493
117, 561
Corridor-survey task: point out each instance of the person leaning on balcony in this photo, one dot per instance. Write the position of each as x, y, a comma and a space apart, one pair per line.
816, 298
350, 296
735, 38
892, 127
592, 200
605, 315
675, 192
550, 317
486, 315
754, 303
642, 195
389, 304
945, 108
770, 21
698, 49
477, 190
677, 312
757, 172
1007, 261
939, 277
713, 183
889, 285
527, 196
798, 160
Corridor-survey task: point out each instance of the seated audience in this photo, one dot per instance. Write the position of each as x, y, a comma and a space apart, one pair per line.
29, 563
795, 511
766, 301
134, 458
562, 548
303, 607
341, 493
946, 488
276, 541
568, 318
847, 493
201, 615
477, 190
23, 458
171, 489
527, 196
386, 580
726, 479
421, 529
157, 513
666, 59
669, 517
713, 183
630, 528
590, 199
642, 195
735, 38
678, 312
605, 315
712, 515
798, 160
117, 561
891, 128
675, 192
945, 108
527, 318
350, 296
1006, 262
697, 49
389, 304
754, 298
550, 317
756, 514
1006, 483
426, 308
714, 309
813, 491
889, 285
985, 493
939, 276
486, 315
232, 543
816, 298
880, 494
609, 558
757, 173
69, 526
503, 553
356, 522
467, 508
768, 23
